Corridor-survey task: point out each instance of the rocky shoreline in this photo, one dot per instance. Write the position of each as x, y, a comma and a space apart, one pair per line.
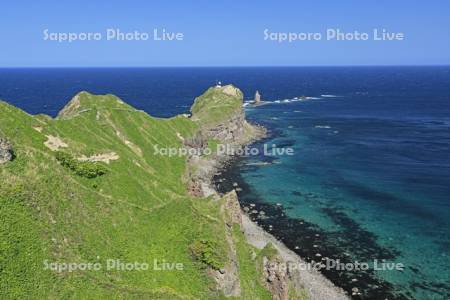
235, 132
201, 172
308, 241
296, 238
317, 285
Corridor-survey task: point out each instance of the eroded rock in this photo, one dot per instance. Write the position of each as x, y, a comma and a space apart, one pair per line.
233, 209
6, 151
277, 277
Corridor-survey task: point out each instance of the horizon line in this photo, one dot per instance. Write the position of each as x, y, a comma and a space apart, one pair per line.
221, 66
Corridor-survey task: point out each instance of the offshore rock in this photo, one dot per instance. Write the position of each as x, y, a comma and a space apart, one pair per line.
257, 99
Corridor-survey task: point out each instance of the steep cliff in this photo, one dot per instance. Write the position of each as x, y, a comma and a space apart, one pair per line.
221, 120
88, 187
93, 186
221, 115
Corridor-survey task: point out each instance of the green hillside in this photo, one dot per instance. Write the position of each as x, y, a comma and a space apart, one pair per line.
217, 104
56, 206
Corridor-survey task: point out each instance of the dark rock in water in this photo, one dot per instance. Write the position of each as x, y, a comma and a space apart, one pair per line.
6, 151
285, 143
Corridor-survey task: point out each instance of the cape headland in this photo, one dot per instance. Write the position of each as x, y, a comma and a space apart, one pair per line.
87, 187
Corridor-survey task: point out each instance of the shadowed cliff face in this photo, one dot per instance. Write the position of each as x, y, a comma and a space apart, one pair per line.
231, 130
221, 116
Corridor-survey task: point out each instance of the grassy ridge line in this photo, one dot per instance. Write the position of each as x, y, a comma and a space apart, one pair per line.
137, 212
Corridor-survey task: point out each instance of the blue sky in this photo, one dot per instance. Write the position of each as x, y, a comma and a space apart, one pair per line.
223, 33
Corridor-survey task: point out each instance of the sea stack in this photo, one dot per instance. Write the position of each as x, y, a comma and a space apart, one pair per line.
257, 97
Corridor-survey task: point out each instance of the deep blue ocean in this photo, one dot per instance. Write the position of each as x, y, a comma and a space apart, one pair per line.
370, 174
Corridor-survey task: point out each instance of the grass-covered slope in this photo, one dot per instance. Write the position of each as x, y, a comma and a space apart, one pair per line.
217, 104
138, 211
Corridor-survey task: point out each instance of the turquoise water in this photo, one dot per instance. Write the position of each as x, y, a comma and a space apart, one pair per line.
385, 170
370, 178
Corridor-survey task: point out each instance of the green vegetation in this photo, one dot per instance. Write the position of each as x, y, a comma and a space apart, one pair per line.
304, 295
208, 253
139, 211
21, 249
215, 105
269, 251
293, 294
250, 276
85, 169
213, 145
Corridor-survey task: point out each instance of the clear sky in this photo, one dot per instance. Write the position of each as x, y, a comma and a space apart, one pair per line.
223, 33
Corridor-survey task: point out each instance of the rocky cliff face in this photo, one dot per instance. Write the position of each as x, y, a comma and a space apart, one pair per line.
231, 130
230, 127
198, 141
220, 117
220, 114
227, 279
276, 277
6, 151
233, 209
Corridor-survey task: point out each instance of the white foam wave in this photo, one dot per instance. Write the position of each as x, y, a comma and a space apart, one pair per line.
262, 163
288, 100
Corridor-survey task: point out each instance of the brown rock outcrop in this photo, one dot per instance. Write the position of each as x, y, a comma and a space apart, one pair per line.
277, 277
232, 209
6, 151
